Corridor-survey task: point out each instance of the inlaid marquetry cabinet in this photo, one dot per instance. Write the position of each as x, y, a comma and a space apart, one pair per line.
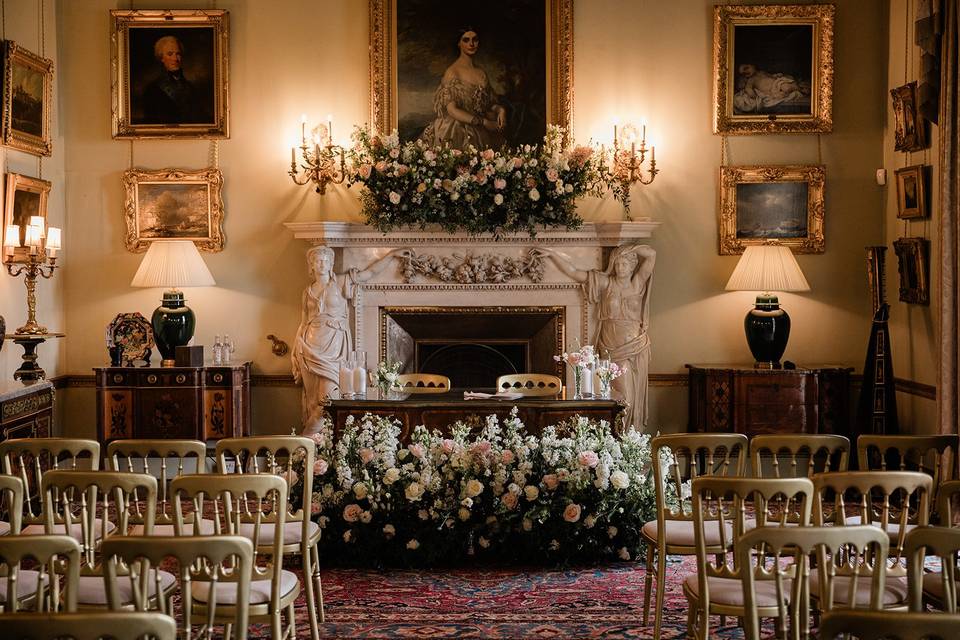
199, 403
26, 410
741, 399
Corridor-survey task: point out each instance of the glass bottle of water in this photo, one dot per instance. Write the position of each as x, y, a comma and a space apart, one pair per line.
217, 350
227, 349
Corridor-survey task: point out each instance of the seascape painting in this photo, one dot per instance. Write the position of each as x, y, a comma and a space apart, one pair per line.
774, 210
173, 210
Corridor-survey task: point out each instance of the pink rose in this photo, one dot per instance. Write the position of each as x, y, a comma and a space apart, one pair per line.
481, 448
550, 481
588, 459
552, 175
381, 166
507, 456
500, 183
531, 181
320, 467
487, 154
448, 446
417, 450
572, 512
509, 500
402, 170
517, 163
367, 455
351, 512
365, 170
394, 153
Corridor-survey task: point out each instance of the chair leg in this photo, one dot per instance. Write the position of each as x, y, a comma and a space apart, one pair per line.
276, 624
704, 628
692, 610
318, 586
648, 583
661, 584
310, 563
291, 621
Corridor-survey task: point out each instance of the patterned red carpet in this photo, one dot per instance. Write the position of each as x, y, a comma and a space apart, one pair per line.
499, 603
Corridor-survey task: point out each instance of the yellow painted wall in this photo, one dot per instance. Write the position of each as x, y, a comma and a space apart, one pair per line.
633, 58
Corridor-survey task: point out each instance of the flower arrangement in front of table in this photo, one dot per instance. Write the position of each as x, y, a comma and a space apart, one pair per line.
576, 492
386, 377
476, 190
581, 361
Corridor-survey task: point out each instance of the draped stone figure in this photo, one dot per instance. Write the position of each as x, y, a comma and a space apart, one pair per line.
323, 339
620, 295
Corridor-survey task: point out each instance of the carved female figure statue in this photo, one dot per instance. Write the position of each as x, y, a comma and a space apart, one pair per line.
621, 295
323, 338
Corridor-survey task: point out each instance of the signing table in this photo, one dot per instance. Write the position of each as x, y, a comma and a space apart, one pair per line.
439, 411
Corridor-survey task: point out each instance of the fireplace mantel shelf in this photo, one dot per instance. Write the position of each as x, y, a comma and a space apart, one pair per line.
352, 234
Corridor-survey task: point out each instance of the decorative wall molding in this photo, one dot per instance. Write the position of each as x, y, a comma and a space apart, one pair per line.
472, 268
352, 234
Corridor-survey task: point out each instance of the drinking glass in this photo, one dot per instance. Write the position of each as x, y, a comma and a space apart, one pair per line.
359, 372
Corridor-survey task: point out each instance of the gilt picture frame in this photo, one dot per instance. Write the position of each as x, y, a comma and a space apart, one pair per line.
174, 204
170, 74
913, 263
773, 68
414, 43
910, 130
25, 197
27, 100
912, 192
772, 202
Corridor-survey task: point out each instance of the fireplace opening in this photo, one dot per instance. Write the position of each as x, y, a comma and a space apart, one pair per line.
473, 345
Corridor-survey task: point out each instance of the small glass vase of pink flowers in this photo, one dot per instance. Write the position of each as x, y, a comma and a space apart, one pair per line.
581, 362
607, 371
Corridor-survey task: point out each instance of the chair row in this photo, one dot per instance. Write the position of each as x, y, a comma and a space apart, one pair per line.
529, 384
149, 495
685, 457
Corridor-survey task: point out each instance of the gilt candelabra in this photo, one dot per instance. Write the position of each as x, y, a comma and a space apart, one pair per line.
322, 162
628, 158
35, 257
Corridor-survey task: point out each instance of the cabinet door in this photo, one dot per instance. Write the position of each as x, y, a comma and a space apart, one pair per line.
776, 403
168, 413
117, 418
217, 414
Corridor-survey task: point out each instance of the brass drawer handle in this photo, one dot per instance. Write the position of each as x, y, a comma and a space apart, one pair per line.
218, 377
151, 379
181, 379
118, 378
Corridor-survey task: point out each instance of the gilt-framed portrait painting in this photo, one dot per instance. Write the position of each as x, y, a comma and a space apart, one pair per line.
170, 74
912, 192
773, 68
25, 197
772, 202
909, 132
27, 100
485, 75
913, 263
174, 204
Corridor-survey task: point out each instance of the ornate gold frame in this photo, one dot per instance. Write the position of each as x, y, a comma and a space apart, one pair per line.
210, 177
217, 19
383, 64
905, 99
725, 18
913, 254
730, 177
13, 138
17, 182
919, 171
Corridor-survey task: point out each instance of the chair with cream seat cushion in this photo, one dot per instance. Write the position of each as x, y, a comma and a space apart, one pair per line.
715, 589
89, 625
101, 504
165, 460
202, 563
889, 625
688, 456
936, 588
880, 499
29, 458
783, 559
51, 581
287, 456
260, 499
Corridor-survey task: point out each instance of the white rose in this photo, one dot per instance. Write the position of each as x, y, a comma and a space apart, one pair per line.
589, 521
366, 517
413, 545
391, 476
389, 530
534, 195
498, 199
531, 492
394, 197
467, 502
474, 488
423, 514
527, 524
414, 491
360, 490
619, 479
347, 535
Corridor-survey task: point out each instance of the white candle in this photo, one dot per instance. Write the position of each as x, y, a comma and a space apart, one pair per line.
303, 128
329, 129
293, 157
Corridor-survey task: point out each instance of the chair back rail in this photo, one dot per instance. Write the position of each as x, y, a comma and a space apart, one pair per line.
948, 501
888, 625
530, 384
11, 501
56, 561
423, 383
89, 625
935, 455
793, 456
943, 543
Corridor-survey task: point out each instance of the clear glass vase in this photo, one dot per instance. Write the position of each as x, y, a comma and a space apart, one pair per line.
604, 388
578, 383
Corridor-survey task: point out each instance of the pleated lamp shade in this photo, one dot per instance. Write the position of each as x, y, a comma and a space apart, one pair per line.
173, 264
767, 267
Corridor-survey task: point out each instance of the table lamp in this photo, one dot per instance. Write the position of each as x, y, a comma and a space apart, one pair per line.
766, 268
172, 264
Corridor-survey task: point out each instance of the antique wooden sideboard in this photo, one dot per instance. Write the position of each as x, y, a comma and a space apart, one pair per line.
26, 410
741, 399
199, 403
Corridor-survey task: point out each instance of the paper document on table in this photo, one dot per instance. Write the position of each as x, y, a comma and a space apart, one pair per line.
503, 395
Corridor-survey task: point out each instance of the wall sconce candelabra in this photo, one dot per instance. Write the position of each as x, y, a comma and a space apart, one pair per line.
322, 162
628, 158
35, 256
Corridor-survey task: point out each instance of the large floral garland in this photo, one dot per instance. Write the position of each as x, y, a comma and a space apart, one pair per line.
576, 492
478, 191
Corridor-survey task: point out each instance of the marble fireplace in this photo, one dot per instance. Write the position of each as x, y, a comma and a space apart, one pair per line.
484, 300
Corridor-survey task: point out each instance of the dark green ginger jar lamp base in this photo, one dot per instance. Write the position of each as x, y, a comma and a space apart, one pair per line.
173, 325
768, 328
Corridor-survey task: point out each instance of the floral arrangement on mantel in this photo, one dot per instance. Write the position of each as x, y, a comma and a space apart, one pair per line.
477, 191
576, 492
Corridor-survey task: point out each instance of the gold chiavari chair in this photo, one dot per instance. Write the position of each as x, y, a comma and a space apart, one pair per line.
798, 456
279, 455
258, 500
29, 458
210, 560
52, 580
11, 504
784, 556
101, 504
887, 625
530, 384
154, 457
678, 459
89, 625
716, 589
937, 588
948, 501
423, 383
893, 501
